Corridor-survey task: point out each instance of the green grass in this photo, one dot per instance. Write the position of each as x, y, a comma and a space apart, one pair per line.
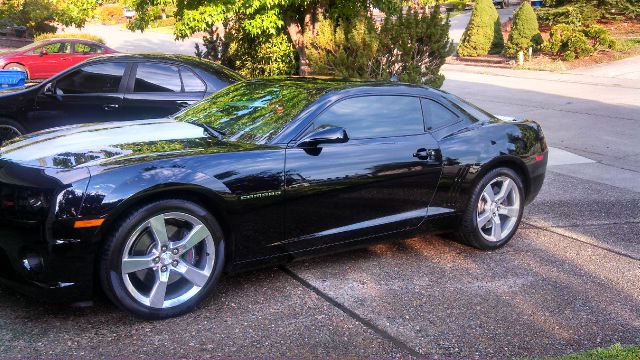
616, 351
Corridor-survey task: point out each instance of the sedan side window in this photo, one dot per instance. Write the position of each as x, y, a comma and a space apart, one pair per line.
54, 48
92, 79
157, 78
191, 82
88, 48
375, 116
436, 115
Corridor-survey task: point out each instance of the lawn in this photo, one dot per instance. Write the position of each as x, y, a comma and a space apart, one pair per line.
616, 351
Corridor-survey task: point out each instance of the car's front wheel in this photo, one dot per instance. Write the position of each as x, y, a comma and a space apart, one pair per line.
163, 259
9, 129
494, 211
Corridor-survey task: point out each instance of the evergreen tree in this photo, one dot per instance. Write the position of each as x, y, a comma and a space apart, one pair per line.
524, 32
483, 34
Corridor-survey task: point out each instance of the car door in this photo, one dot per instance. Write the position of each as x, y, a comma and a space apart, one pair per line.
157, 90
381, 180
91, 93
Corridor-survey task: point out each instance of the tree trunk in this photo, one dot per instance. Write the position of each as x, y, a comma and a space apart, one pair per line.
296, 34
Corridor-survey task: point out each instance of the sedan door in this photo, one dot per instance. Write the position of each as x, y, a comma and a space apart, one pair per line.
50, 59
381, 180
92, 93
158, 90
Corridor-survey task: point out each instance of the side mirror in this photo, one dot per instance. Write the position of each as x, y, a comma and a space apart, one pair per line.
43, 52
49, 90
327, 135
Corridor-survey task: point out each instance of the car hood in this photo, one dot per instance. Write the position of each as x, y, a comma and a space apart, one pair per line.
115, 143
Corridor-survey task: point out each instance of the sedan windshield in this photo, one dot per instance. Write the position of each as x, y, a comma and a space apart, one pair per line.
255, 111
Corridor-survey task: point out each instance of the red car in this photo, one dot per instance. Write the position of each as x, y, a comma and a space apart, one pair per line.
44, 59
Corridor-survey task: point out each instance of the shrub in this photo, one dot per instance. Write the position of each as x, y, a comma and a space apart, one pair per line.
483, 34
252, 56
524, 32
411, 47
110, 14
164, 22
343, 51
572, 42
46, 36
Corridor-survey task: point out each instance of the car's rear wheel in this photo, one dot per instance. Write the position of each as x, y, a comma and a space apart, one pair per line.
15, 66
9, 129
163, 259
494, 211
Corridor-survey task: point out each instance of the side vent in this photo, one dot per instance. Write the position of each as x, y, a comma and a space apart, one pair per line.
454, 191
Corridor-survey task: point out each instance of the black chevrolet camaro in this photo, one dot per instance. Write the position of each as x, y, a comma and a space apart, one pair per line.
262, 172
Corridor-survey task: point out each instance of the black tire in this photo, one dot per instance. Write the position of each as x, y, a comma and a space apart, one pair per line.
16, 66
468, 231
110, 270
9, 129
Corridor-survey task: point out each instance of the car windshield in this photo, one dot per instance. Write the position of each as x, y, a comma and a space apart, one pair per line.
255, 111
469, 109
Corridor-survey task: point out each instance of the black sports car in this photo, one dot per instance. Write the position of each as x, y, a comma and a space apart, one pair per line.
112, 87
260, 173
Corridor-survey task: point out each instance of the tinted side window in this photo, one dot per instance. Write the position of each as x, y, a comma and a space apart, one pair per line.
375, 116
157, 78
190, 81
436, 115
92, 79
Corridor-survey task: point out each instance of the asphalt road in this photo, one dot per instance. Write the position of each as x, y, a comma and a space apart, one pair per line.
569, 280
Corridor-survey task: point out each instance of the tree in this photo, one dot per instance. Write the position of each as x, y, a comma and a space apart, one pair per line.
524, 32
483, 34
39, 15
409, 46
263, 18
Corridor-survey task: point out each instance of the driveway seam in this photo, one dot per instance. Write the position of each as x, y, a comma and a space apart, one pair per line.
352, 314
613, 251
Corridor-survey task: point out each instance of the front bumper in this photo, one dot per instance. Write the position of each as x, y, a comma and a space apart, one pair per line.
53, 271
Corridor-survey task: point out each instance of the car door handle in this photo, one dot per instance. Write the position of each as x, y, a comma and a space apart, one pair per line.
426, 154
110, 107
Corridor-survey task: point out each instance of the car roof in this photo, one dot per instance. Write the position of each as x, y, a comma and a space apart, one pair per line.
346, 87
171, 58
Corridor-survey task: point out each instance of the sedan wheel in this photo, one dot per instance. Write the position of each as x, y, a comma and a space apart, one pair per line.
494, 211
169, 261
8, 132
498, 209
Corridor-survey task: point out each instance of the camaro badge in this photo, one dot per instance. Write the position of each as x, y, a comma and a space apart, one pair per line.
260, 195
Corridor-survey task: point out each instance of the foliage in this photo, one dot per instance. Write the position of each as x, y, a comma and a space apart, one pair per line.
570, 11
616, 351
110, 14
524, 32
575, 15
344, 51
46, 36
38, 15
411, 47
483, 34
171, 21
260, 56
573, 42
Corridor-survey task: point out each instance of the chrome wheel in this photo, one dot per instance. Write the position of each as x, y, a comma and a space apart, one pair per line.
168, 260
8, 132
498, 209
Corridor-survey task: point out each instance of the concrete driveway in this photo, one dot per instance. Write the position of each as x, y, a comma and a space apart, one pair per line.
569, 280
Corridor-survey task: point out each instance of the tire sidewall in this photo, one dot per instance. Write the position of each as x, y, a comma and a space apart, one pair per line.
472, 211
9, 122
110, 269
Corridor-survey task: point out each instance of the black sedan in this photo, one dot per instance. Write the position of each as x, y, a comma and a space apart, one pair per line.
110, 88
263, 172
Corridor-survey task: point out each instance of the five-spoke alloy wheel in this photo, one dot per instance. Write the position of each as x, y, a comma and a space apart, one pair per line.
494, 210
163, 259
